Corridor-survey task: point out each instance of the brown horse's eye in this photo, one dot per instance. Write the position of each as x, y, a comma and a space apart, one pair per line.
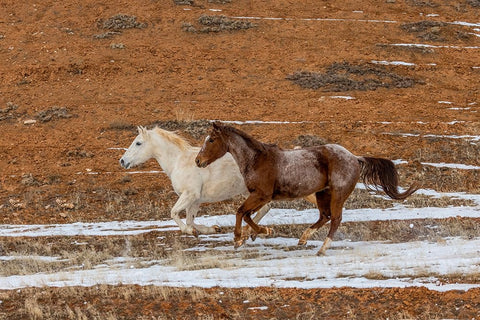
211, 140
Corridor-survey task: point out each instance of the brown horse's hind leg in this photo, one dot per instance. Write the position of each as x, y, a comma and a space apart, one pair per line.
323, 204
336, 205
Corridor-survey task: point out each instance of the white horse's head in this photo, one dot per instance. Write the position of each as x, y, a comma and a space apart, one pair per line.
139, 151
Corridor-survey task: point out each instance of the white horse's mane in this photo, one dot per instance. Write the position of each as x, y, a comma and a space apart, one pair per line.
173, 138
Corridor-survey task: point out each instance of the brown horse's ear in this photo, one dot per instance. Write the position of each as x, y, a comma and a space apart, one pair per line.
216, 126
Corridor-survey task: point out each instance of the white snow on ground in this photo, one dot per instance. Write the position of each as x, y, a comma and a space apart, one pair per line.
452, 165
352, 264
360, 264
422, 45
274, 217
443, 136
393, 63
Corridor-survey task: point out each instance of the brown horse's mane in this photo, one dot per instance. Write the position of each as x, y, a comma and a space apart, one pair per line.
251, 141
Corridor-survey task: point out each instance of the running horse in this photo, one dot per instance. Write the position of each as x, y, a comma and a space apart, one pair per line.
271, 173
193, 185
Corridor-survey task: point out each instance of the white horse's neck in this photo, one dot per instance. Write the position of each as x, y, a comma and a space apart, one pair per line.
166, 152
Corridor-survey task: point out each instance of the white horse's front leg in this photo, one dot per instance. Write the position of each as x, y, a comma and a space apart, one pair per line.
185, 201
198, 228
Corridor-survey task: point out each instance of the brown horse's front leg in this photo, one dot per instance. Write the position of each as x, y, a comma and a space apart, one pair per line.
253, 203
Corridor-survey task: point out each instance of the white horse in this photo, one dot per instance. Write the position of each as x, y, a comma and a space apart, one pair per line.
219, 181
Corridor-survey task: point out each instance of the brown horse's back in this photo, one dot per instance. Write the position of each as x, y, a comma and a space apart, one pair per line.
302, 172
343, 167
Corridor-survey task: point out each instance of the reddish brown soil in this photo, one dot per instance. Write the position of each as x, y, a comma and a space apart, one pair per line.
87, 94
136, 302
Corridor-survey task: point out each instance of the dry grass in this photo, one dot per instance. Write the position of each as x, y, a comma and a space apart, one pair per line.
120, 124
140, 250
80, 252
440, 150
395, 231
134, 302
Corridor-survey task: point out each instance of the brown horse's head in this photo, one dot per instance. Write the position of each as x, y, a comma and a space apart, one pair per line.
214, 147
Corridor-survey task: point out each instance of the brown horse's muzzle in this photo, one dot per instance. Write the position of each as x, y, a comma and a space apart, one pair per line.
201, 164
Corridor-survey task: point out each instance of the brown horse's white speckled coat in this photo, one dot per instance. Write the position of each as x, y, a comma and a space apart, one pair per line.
271, 173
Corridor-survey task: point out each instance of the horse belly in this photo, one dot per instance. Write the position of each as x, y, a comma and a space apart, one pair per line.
299, 183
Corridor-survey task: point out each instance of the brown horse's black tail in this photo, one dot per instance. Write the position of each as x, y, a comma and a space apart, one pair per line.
382, 172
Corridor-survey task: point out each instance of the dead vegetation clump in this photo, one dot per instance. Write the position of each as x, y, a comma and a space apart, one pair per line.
53, 113
436, 31
195, 128
426, 30
421, 3
183, 2
447, 179
474, 3
29, 180
120, 124
9, 112
345, 77
216, 24
79, 153
106, 35
441, 150
116, 24
121, 22
306, 140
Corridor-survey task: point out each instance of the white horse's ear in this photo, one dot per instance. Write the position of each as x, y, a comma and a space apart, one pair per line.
142, 131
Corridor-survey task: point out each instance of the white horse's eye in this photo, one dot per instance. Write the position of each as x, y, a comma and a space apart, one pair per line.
138, 143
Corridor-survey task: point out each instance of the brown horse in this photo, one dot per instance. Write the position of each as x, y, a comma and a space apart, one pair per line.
329, 171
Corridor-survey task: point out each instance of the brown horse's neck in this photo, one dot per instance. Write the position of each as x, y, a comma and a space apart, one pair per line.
243, 148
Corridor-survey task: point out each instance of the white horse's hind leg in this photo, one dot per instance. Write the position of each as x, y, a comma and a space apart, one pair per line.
261, 213
185, 201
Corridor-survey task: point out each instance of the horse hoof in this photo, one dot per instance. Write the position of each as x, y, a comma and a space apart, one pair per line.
217, 229
269, 233
301, 242
195, 233
238, 243
253, 236
321, 253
